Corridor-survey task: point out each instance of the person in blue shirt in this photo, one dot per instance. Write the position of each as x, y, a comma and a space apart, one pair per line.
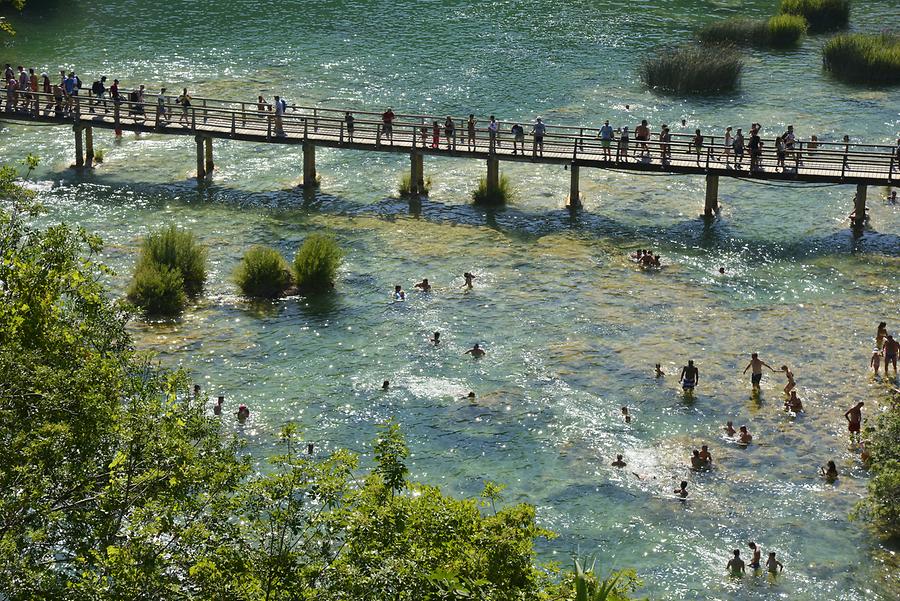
606, 135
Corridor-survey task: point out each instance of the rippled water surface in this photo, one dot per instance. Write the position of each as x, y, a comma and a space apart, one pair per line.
571, 328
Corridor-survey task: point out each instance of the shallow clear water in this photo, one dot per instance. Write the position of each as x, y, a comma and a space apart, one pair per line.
572, 329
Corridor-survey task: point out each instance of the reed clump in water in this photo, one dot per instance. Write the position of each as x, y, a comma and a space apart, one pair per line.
864, 58
316, 264
822, 15
693, 69
263, 273
781, 31
503, 193
405, 187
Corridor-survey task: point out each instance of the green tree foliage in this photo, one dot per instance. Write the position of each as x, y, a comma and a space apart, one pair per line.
5, 26
316, 263
882, 506
263, 273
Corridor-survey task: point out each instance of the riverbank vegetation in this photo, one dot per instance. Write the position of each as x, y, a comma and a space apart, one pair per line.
693, 69
263, 273
780, 31
822, 15
881, 507
503, 193
405, 187
171, 269
864, 58
316, 264
119, 482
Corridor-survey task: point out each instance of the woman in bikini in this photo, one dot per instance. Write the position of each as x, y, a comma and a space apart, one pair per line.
790, 379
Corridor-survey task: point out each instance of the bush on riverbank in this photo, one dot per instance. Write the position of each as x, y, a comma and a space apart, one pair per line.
822, 15
882, 506
405, 187
157, 290
780, 31
693, 69
263, 273
178, 249
864, 58
503, 193
316, 263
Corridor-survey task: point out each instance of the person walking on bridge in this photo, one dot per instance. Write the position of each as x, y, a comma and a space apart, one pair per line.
449, 129
349, 121
279, 117
161, 106
185, 101
387, 125
642, 135
471, 131
606, 135
538, 130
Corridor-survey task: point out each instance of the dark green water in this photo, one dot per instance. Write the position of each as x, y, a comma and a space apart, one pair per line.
572, 329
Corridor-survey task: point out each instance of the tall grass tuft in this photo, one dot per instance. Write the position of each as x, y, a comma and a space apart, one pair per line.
822, 15
316, 263
405, 189
158, 290
864, 58
693, 69
262, 273
784, 31
176, 248
503, 193
780, 31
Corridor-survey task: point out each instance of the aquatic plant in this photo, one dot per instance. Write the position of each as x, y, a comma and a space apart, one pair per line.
864, 58
263, 273
822, 15
405, 188
99, 155
157, 289
316, 263
503, 193
693, 69
783, 31
779, 31
178, 249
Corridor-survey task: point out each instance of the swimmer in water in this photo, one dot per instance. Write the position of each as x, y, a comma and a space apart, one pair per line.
436, 339
829, 472
773, 565
875, 361
722, 270
757, 364
618, 462
476, 351
647, 260
682, 492
470, 397
242, 413
399, 295
469, 277
217, 409
756, 562
736, 565
637, 255
690, 376
625, 415
424, 286
745, 437
659, 371
854, 419
729, 428
705, 456
385, 385
696, 461
794, 404
790, 379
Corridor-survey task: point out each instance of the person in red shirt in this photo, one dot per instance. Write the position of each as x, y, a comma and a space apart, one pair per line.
387, 120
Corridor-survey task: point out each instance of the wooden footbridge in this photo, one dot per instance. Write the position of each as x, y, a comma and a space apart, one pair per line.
422, 135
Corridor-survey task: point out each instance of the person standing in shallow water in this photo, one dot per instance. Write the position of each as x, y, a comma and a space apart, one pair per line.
469, 278
682, 492
756, 562
736, 565
690, 376
757, 364
891, 349
790, 379
853, 415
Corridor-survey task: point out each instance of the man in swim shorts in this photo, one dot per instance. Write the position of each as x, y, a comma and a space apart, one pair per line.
736, 564
854, 418
757, 364
755, 563
682, 492
690, 376
891, 349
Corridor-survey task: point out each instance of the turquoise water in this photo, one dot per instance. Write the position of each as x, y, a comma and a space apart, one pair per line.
572, 329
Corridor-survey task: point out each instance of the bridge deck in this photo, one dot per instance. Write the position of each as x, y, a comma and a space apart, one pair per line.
829, 162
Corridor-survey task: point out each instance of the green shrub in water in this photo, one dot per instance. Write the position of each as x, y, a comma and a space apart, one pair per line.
405, 189
316, 263
263, 273
502, 194
863, 58
779, 31
178, 249
822, 15
158, 290
783, 31
693, 69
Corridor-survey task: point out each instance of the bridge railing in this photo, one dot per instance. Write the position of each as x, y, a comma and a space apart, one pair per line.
417, 131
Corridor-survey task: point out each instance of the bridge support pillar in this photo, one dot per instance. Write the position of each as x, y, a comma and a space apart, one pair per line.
712, 195
89, 146
201, 165
574, 200
210, 165
416, 174
493, 174
859, 205
310, 178
79, 147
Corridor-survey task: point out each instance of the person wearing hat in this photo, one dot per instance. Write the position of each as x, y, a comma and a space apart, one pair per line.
623, 145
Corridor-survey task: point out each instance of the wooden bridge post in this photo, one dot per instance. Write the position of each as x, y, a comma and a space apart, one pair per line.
712, 195
79, 150
493, 173
416, 173
574, 200
201, 167
309, 165
209, 155
89, 146
859, 205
